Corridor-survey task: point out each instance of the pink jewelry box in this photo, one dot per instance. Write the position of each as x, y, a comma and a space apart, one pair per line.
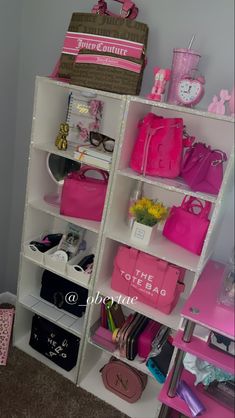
146, 338
6, 322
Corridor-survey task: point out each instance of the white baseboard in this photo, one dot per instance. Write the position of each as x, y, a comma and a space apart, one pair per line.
7, 297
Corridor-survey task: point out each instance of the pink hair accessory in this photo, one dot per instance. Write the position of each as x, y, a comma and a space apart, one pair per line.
161, 77
84, 134
95, 106
218, 104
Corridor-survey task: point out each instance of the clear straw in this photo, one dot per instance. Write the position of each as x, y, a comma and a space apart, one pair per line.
191, 42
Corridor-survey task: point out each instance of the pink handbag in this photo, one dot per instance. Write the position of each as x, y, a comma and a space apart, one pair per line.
153, 281
202, 168
187, 228
158, 147
123, 380
82, 196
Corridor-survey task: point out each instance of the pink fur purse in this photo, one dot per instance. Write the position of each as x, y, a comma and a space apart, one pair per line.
159, 146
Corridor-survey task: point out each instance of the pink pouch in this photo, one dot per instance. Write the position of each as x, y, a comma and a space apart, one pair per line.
158, 147
84, 197
202, 168
153, 281
187, 228
146, 338
123, 380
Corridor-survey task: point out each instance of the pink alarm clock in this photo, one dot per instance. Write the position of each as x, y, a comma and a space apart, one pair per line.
190, 90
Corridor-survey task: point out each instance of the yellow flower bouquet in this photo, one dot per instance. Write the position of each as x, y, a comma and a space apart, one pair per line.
148, 212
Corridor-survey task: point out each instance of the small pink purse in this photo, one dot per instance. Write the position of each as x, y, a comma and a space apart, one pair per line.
187, 228
202, 168
82, 196
159, 146
153, 281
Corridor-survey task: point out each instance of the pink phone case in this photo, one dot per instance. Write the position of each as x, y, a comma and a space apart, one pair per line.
146, 337
103, 337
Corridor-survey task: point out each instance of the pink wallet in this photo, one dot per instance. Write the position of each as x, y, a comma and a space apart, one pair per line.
103, 337
146, 338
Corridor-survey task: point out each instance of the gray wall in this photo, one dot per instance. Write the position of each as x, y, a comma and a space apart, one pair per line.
171, 25
9, 53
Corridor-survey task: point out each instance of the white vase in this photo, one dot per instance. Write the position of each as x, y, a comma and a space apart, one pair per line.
141, 234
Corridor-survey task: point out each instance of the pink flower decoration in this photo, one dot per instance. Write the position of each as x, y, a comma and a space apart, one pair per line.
83, 132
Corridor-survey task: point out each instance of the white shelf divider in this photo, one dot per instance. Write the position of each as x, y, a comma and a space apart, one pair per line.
63, 319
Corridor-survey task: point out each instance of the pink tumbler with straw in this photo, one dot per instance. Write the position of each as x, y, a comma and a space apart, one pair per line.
184, 61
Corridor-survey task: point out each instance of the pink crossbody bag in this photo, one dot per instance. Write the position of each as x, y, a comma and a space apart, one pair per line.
202, 168
123, 380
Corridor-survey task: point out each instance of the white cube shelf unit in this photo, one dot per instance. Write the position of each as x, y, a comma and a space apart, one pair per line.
41, 218
121, 116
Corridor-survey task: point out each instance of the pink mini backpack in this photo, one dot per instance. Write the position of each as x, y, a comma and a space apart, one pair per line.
159, 146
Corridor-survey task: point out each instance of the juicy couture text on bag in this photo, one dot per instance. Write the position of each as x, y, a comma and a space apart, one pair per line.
104, 52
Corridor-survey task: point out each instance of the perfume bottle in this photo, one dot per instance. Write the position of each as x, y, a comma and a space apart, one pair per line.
136, 194
227, 291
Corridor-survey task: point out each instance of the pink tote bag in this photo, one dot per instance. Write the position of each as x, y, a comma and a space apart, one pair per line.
153, 281
82, 196
187, 224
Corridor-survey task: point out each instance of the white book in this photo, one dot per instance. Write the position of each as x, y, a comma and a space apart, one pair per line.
94, 152
89, 159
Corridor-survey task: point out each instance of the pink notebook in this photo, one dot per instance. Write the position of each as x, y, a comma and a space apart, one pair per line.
6, 322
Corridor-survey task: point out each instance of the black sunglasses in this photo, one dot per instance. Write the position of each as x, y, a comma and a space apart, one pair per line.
96, 139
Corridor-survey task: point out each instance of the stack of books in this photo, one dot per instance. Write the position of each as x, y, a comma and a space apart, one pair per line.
93, 156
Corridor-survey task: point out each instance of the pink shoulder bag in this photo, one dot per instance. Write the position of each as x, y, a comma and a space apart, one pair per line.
187, 224
159, 146
202, 168
82, 196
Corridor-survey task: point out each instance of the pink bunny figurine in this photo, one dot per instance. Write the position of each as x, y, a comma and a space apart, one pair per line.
161, 78
218, 106
231, 103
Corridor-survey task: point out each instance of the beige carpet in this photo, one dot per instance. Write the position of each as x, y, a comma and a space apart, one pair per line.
28, 389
